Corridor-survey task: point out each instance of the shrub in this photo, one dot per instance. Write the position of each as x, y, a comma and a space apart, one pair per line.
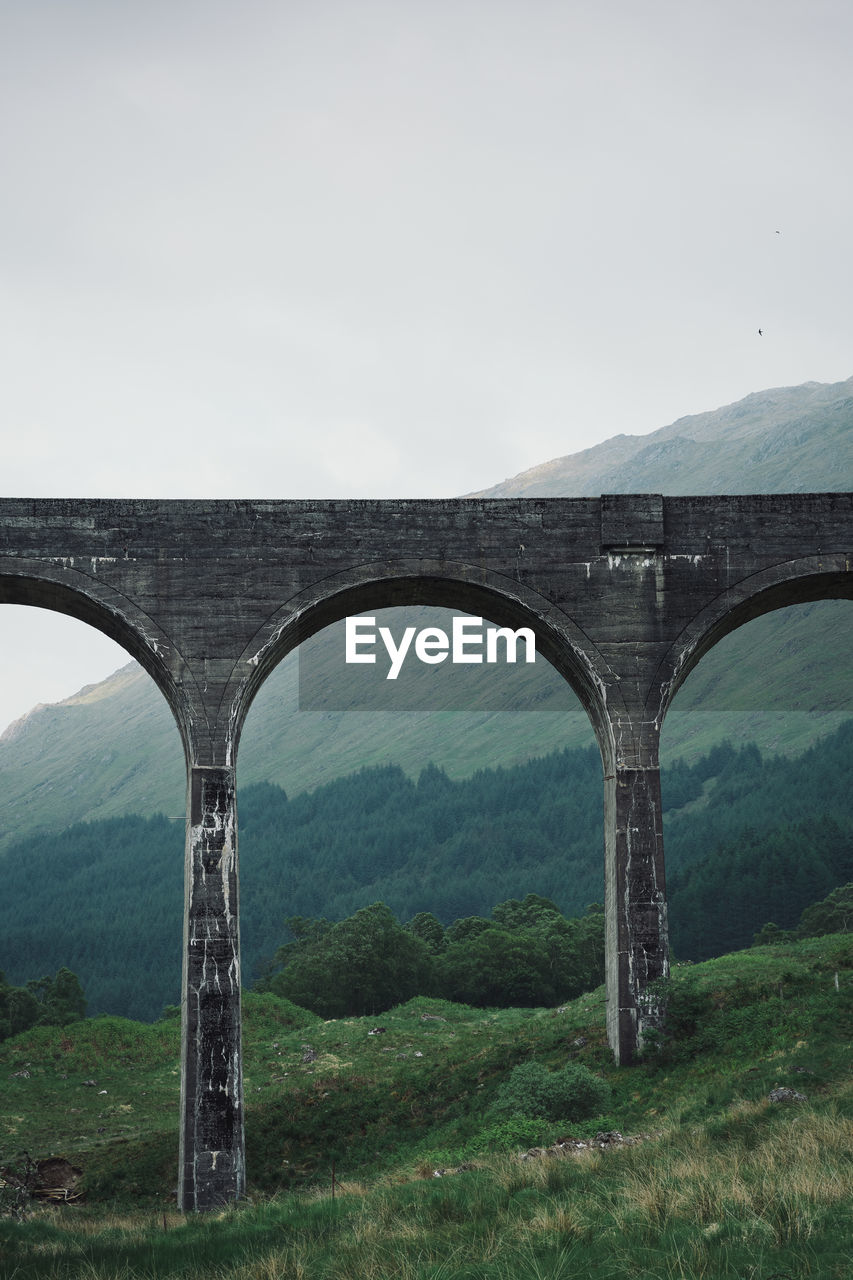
510, 1132
573, 1093
264, 1008
687, 1023
770, 935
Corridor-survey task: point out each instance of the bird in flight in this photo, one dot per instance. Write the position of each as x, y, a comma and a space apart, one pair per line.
761, 333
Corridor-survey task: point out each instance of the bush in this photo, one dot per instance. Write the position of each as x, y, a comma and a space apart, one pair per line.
275, 1013
573, 1093
687, 1023
770, 935
512, 1132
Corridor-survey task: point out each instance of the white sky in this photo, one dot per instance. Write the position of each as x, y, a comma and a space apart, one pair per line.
334, 248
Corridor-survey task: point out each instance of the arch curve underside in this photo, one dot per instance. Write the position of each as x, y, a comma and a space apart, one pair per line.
793, 583
119, 619
558, 640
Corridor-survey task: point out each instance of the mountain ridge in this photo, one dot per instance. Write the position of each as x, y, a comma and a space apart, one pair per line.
782, 421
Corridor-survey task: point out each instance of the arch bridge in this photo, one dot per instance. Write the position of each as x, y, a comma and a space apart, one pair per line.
625, 594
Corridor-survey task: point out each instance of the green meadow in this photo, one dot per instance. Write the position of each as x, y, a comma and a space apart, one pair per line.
386, 1153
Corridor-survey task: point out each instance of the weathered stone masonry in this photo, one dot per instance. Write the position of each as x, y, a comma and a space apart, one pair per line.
625, 594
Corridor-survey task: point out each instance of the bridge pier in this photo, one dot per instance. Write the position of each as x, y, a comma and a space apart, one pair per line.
637, 946
212, 1155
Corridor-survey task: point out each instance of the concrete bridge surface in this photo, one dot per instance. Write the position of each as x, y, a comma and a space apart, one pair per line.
625, 594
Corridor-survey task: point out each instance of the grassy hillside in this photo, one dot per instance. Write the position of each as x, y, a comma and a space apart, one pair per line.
718, 1182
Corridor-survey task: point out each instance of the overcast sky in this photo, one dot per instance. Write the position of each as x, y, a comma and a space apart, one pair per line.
333, 249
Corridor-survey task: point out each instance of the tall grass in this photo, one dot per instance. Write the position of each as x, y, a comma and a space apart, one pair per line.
772, 1196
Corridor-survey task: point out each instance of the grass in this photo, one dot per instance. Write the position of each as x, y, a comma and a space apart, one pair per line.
723, 1183
681, 1205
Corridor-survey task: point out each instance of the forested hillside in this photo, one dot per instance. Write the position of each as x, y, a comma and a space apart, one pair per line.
748, 841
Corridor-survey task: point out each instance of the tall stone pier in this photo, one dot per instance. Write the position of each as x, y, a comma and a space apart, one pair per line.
625, 594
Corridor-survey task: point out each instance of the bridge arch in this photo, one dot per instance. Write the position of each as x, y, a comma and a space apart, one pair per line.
791, 582
69, 591
470, 589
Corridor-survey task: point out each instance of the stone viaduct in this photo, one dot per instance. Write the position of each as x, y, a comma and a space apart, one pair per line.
625, 594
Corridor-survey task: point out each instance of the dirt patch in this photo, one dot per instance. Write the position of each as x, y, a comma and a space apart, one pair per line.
56, 1179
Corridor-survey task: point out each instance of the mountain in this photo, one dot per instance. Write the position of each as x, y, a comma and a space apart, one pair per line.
113, 748
787, 440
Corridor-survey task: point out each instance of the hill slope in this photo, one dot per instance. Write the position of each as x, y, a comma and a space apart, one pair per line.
785, 440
